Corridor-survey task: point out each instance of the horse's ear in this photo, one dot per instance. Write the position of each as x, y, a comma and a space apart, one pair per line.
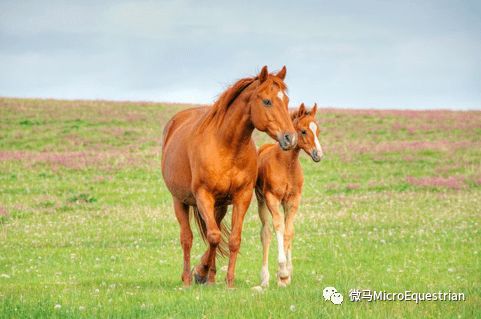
313, 110
264, 73
302, 110
282, 73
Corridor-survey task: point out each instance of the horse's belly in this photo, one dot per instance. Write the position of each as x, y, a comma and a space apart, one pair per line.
176, 172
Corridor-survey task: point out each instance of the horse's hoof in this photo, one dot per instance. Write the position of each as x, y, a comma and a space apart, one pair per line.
187, 279
199, 279
230, 284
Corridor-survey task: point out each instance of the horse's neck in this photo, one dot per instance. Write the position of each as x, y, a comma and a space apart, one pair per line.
235, 128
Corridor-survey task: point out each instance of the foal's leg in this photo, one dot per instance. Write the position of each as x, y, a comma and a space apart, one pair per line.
265, 239
241, 203
205, 203
220, 212
182, 214
278, 221
290, 210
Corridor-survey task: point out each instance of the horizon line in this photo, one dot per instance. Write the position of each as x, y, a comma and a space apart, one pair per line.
320, 105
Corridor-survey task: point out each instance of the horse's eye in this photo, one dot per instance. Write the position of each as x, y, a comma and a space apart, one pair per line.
267, 102
303, 132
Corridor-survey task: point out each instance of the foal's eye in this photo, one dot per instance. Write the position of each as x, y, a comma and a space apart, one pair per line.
303, 132
267, 102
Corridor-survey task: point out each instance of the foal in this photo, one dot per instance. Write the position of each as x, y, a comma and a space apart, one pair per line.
279, 181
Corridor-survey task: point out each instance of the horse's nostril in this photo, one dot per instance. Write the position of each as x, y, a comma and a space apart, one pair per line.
287, 138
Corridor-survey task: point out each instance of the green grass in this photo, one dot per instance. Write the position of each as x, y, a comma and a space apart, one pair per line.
87, 228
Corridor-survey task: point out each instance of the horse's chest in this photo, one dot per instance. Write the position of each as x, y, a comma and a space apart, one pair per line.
227, 176
235, 177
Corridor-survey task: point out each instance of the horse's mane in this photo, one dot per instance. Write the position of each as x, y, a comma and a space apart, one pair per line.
221, 105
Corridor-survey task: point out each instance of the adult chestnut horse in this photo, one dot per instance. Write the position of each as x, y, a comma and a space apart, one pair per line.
279, 181
209, 161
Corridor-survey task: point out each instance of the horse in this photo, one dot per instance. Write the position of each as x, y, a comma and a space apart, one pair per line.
279, 181
209, 161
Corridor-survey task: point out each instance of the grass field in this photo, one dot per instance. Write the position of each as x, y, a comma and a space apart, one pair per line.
87, 228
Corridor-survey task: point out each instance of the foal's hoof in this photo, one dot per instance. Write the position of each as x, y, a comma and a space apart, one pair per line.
283, 279
283, 282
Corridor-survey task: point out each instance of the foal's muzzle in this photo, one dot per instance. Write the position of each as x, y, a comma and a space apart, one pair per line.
316, 157
287, 141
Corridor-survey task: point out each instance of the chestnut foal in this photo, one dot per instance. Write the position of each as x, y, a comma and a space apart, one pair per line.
279, 181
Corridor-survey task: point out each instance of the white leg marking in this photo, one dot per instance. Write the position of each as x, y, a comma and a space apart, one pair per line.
265, 276
283, 272
280, 245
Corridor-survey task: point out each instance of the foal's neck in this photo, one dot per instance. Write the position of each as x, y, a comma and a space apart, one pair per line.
291, 156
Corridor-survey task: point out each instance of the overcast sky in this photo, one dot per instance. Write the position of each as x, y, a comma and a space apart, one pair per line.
363, 54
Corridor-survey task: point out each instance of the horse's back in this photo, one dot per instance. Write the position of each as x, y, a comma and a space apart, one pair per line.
186, 118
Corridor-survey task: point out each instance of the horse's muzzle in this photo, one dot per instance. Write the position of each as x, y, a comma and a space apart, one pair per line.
316, 157
288, 141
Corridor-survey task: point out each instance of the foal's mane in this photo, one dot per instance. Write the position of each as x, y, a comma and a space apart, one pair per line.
221, 105
295, 114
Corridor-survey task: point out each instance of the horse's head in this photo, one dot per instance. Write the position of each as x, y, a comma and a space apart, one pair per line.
269, 108
308, 130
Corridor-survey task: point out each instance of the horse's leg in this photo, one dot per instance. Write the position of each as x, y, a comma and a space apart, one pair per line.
220, 212
278, 221
241, 203
205, 203
265, 239
290, 210
182, 214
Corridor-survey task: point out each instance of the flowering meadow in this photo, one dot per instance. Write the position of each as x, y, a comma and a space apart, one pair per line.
87, 227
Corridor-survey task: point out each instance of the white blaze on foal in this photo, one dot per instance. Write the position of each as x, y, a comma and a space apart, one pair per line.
313, 127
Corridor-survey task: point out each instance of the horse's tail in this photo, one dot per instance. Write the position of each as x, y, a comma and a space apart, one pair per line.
223, 248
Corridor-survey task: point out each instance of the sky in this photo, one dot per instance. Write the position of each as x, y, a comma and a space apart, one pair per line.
350, 54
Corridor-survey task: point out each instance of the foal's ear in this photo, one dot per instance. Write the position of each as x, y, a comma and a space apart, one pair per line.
282, 73
302, 110
264, 73
313, 110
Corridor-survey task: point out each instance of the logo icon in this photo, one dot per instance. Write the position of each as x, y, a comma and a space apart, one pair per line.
330, 293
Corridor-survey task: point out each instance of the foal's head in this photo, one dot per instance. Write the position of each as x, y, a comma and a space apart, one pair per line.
308, 131
269, 108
